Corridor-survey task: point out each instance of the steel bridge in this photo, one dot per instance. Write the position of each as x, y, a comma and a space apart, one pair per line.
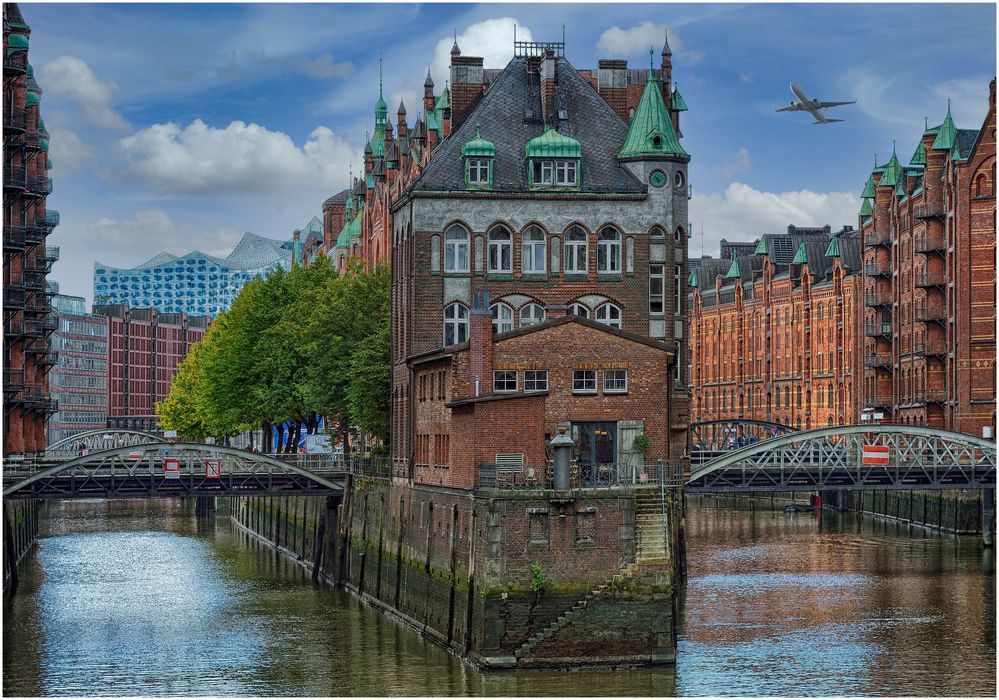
164, 469
99, 440
896, 457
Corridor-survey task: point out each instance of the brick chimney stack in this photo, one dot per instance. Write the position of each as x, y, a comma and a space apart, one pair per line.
403, 128
556, 311
548, 88
467, 83
612, 85
480, 345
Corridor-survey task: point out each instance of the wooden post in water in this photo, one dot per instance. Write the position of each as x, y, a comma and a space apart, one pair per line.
8, 545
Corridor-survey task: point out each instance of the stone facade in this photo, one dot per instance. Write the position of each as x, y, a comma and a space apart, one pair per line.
27, 315
776, 338
929, 262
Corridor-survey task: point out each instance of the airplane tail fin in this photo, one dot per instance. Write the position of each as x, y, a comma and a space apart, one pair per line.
828, 121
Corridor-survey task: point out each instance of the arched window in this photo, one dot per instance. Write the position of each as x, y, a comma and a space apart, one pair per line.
502, 317
577, 309
533, 252
680, 234
798, 397
455, 323
531, 314
609, 250
500, 250
576, 251
609, 315
787, 397
981, 185
829, 396
777, 398
456, 250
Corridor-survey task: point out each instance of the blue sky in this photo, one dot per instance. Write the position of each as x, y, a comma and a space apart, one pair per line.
180, 126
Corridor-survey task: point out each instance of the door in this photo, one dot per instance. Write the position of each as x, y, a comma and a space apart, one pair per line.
595, 451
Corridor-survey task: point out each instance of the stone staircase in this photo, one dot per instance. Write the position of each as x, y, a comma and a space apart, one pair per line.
650, 536
567, 618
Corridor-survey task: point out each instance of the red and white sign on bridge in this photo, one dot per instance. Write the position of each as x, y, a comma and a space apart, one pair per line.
876, 454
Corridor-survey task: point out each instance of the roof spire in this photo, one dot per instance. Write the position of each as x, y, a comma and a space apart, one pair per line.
455, 51
666, 49
379, 72
651, 52
926, 123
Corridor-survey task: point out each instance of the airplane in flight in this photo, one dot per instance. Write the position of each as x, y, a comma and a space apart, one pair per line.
813, 107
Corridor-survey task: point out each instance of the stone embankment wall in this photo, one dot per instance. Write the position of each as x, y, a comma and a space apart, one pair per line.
505, 578
957, 511
20, 532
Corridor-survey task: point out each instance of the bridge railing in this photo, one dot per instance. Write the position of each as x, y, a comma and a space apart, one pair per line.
668, 473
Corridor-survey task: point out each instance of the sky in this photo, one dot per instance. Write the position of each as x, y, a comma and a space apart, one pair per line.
181, 126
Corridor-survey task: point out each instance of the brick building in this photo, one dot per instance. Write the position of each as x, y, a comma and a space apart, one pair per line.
27, 315
542, 195
929, 237
775, 335
79, 380
144, 348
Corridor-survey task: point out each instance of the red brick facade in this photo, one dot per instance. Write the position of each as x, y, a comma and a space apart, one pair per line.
27, 314
778, 342
931, 274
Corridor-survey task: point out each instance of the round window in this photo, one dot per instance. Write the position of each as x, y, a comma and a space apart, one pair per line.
657, 178
678, 179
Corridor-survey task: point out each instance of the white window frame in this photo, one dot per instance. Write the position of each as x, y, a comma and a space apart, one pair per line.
455, 320
533, 245
456, 249
609, 314
535, 380
565, 173
501, 377
615, 387
657, 277
583, 380
478, 171
576, 307
502, 317
577, 251
499, 257
609, 250
532, 313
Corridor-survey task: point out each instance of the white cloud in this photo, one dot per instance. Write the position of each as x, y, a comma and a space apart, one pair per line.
747, 78
72, 77
151, 231
492, 39
969, 101
745, 213
636, 41
322, 66
203, 161
889, 100
740, 161
67, 150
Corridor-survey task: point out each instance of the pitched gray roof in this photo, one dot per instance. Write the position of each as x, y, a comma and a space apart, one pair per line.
849, 253
338, 198
500, 113
966, 141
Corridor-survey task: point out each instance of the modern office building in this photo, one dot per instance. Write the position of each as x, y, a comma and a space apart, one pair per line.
79, 380
27, 316
929, 235
196, 283
144, 348
775, 334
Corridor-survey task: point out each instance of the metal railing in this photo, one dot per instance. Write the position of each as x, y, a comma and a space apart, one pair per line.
876, 237
933, 347
877, 330
925, 313
13, 296
930, 396
930, 278
878, 400
13, 380
929, 243
15, 63
542, 477
34, 235
928, 210
877, 298
39, 185
877, 268
15, 176
878, 360
13, 118
13, 238
51, 218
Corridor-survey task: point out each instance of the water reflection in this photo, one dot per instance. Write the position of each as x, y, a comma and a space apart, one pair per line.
141, 598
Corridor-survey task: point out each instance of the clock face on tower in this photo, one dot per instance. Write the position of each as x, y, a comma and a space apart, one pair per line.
657, 178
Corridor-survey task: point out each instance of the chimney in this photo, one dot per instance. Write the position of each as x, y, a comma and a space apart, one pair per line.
467, 83
481, 345
548, 88
612, 85
403, 128
556, 311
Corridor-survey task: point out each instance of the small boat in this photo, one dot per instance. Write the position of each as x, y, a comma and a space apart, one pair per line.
795, 508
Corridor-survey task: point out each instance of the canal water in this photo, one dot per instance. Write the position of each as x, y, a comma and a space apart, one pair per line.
141, 598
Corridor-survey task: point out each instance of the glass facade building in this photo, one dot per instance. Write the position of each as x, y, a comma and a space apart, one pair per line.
196, 283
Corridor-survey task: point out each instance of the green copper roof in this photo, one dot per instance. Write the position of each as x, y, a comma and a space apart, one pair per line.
32, 99
369, 181
892, 171
679, 104
865, 208
900, 187
552, 144
801, 257
651, 131
31, 71
444, 101
832, 250
17, 41
868, 220
433, 122
478, 147
955, 152
378, 141
868, 187
761, 247
919, 157
43, 144
692, 278
48, 163
733, 269
945, 137
351, 229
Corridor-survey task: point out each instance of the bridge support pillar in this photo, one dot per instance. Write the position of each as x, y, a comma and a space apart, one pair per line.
9, 549
988, 517
204, 506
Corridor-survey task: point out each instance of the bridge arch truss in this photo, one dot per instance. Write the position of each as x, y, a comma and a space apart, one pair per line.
101, 440
833, 459
167, 469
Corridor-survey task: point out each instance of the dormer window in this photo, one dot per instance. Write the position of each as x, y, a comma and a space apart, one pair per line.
478, 155
554, 173
553, 160
478, 171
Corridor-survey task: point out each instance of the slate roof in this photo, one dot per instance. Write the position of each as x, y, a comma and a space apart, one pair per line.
338, 198
500, 113
966, 141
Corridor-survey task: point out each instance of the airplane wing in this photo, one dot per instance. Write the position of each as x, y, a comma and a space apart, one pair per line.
823, 105
787, 109
827, 121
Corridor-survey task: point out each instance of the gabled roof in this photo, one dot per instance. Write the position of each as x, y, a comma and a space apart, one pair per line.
892, 171
651, 132
679, 104
868, 187
865, 208
945, 136
965, 141
338, 198
919, 157
501, 111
